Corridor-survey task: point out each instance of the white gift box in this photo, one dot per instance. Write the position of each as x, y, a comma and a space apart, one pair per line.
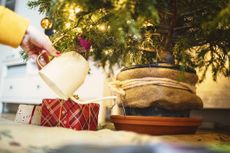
28, 114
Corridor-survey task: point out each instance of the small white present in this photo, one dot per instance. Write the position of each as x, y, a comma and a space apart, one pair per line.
28, 114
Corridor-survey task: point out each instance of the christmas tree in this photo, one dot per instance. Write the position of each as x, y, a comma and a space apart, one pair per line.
191, 33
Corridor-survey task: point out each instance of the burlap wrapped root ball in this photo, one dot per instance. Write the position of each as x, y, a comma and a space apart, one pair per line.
170, 98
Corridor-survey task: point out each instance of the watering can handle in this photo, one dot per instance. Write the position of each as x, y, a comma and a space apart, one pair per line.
93, 100
45, 57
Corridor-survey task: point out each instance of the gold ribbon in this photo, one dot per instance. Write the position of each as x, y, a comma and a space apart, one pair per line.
59, 117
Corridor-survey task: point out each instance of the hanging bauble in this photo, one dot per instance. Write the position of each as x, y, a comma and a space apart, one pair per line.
46, 23
85, 43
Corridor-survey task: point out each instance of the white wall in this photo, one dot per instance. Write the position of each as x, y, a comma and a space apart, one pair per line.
31, 14
4, 52
215, 94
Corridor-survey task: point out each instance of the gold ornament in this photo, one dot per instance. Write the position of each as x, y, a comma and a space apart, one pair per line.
46, 23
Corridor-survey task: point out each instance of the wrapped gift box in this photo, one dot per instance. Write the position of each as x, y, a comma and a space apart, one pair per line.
69, 114
28, 114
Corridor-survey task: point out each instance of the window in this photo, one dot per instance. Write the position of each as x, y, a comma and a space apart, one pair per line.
8, 3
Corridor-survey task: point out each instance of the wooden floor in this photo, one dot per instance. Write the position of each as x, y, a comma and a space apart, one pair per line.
9, 116
202, 137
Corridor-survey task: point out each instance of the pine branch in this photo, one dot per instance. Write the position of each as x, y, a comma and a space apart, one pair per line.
145, 31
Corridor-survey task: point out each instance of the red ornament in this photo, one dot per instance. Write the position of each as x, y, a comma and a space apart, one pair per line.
86, 44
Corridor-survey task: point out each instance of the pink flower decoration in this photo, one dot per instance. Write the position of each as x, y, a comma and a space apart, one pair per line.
85, 43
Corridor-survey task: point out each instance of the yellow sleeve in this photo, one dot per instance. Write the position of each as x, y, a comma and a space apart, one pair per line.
12, 27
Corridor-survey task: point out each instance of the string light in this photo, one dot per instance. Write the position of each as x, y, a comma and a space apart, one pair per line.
77, 10
70, 10
79, 30
103, 27
72, 14
108, 51
147, 24
67, 25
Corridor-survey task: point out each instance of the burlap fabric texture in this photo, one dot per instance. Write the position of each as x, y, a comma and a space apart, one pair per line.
167, 88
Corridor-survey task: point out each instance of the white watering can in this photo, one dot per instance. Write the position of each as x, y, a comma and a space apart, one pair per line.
65, 74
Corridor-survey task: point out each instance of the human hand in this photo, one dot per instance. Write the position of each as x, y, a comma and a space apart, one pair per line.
35, 42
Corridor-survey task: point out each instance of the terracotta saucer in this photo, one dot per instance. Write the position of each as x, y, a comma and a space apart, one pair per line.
155, 125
